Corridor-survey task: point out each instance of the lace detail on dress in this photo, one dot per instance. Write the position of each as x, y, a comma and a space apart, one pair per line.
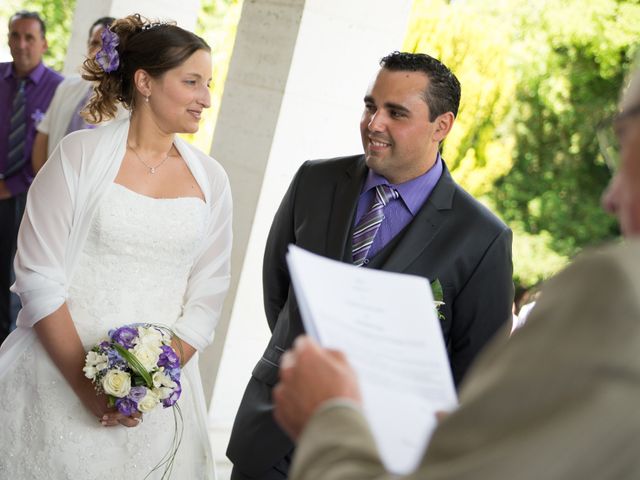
136, 262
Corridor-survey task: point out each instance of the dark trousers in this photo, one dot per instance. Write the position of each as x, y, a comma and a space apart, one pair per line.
279, 471
11, 211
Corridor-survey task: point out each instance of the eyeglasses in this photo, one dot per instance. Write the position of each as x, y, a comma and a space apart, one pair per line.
610, 133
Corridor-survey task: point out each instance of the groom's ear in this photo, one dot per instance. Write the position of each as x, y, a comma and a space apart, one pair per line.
142, 81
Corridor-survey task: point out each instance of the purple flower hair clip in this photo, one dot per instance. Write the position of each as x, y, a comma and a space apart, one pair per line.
107, 57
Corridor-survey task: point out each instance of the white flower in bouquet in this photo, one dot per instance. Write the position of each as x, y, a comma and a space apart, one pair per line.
161, 379
117, 383
94, 364
149, 402
166, 338
147, 355
150, 337
163, 384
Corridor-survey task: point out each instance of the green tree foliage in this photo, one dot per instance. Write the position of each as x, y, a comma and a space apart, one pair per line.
474, 46
537, 76
58, 16
572, 64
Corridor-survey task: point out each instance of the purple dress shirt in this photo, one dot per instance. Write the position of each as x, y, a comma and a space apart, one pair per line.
398, 213
39, 89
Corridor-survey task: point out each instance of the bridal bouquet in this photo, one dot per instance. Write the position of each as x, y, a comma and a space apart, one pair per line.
136, 368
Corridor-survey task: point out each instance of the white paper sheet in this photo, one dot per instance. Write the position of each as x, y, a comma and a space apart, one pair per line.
387, 326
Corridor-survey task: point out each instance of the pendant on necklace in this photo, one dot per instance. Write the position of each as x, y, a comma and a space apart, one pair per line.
152, 170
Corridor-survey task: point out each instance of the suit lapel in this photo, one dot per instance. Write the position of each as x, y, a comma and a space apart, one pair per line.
424, 227
343, 207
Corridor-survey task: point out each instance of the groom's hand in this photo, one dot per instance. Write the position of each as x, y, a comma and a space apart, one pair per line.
310, 376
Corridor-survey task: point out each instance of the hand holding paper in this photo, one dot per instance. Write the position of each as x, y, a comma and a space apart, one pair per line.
387, 326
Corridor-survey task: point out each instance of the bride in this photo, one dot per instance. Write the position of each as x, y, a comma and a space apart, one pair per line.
126, 223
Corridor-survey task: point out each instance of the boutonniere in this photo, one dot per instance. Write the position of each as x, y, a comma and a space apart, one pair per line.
37, 116
438, 297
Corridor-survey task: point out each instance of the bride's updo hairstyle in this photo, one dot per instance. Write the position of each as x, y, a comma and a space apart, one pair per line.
130, 44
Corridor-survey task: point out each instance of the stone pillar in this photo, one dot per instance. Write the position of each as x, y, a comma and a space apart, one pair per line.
185, 13
294, 91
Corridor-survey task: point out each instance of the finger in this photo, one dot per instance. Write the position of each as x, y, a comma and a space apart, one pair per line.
288, 360
301, 342
109, 421
130, 421
337, 355
112, 416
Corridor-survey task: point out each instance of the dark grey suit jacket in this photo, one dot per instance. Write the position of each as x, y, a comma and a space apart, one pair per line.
453, 238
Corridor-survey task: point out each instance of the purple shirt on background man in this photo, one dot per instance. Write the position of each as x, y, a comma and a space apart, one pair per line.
398, 213
39, 89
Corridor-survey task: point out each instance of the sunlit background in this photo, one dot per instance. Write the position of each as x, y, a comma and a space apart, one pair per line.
537, 76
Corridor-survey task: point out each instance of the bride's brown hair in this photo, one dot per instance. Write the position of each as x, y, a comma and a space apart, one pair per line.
152, 47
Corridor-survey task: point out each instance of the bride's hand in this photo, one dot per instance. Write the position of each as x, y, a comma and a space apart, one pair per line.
109, 416
112, 419
94, 402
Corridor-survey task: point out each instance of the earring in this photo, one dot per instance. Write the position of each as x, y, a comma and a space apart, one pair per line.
146, 99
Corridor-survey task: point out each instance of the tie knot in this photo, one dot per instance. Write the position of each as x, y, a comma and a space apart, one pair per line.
385, 193
21, 84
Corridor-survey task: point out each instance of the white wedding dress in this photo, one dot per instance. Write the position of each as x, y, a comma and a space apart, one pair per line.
134, 268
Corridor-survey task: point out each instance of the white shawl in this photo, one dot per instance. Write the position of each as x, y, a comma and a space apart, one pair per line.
60, 206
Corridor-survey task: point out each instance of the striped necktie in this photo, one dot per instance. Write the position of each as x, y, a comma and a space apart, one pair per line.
17, 132
365, 231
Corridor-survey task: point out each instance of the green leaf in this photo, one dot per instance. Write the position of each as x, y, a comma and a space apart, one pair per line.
436, 288
134, 363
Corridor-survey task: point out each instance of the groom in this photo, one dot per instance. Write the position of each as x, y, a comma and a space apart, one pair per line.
394, 208
559, 400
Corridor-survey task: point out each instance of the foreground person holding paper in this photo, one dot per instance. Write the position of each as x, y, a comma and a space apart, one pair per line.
557, 401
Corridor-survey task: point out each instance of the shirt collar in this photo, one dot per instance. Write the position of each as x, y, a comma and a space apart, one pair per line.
413, 192
34, 75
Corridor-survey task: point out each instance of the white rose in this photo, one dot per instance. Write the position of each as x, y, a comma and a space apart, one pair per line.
94, 364
163, 392
149, 401
160, 379
149, 336
117, 383
147, 356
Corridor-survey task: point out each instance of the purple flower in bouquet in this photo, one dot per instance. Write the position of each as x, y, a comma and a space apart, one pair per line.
168, 358
137, 393
107, 57
125, 336
126, 406
116, 360
173, 398
173, 373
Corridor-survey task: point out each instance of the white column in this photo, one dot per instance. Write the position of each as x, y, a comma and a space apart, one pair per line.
294, 92
184, 12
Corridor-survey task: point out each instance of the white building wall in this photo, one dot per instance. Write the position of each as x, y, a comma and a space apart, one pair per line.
294, 92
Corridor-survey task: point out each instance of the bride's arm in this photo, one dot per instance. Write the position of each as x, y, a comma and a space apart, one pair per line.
60, 339
210, 274
184, 350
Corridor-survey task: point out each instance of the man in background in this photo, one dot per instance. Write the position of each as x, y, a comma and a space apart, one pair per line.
559, 400
26, 89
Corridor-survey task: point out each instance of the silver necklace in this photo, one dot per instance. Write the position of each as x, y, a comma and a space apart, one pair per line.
152, 169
